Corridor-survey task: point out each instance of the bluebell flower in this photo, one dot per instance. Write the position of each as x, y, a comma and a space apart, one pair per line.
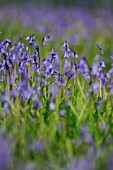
53, 55
109, 73
62, 82
75, 67
67, 103
52, 106
7, 42
38, 103
62, 112
69, 74
73, 54
31, 39
68, 92
68, 53
36, 47
111, 57
94, 69
45, 39
54, 90
6, 108
100, 48
66, 46
67, 66
5, 153
102, 65
38, 146
95, 86
99, 103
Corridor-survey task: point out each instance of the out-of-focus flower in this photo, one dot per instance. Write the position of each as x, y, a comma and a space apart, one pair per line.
62, 112
38, 104
52, 106
5, 153
54, 90
95, 86
6, 108
67, 66
38, 146
94, 69
99, 103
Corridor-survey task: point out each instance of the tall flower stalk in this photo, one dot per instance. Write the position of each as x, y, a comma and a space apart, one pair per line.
100, 69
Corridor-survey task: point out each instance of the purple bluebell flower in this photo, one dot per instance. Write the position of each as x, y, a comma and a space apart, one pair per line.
31, 39
38, 146
95, 86
109, 73
5, 152
67, 103
69, 74
83, 68
53, 55
66, 46
100, 48
68, 92
99, 103
36, 47
20, 38
102, 65
36, 52
73, 54
7, 42
6, 108
101, 76
62, 82
67, 66
27, 38
111, 57
94, 69
38, 103
67, 50
45, 39
83, 65
13, 94
83, 163
12, 48
62, 112
54, 90
66, 54
86, 135
109, 161
88, 95
52, 106
54, 71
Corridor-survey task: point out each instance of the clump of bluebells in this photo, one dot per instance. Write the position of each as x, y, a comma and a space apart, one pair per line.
45, 88
30, 76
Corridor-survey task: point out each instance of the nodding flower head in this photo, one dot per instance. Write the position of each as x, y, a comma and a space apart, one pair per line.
31, 38
53, 55
66, 46
100, 48
45, 39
